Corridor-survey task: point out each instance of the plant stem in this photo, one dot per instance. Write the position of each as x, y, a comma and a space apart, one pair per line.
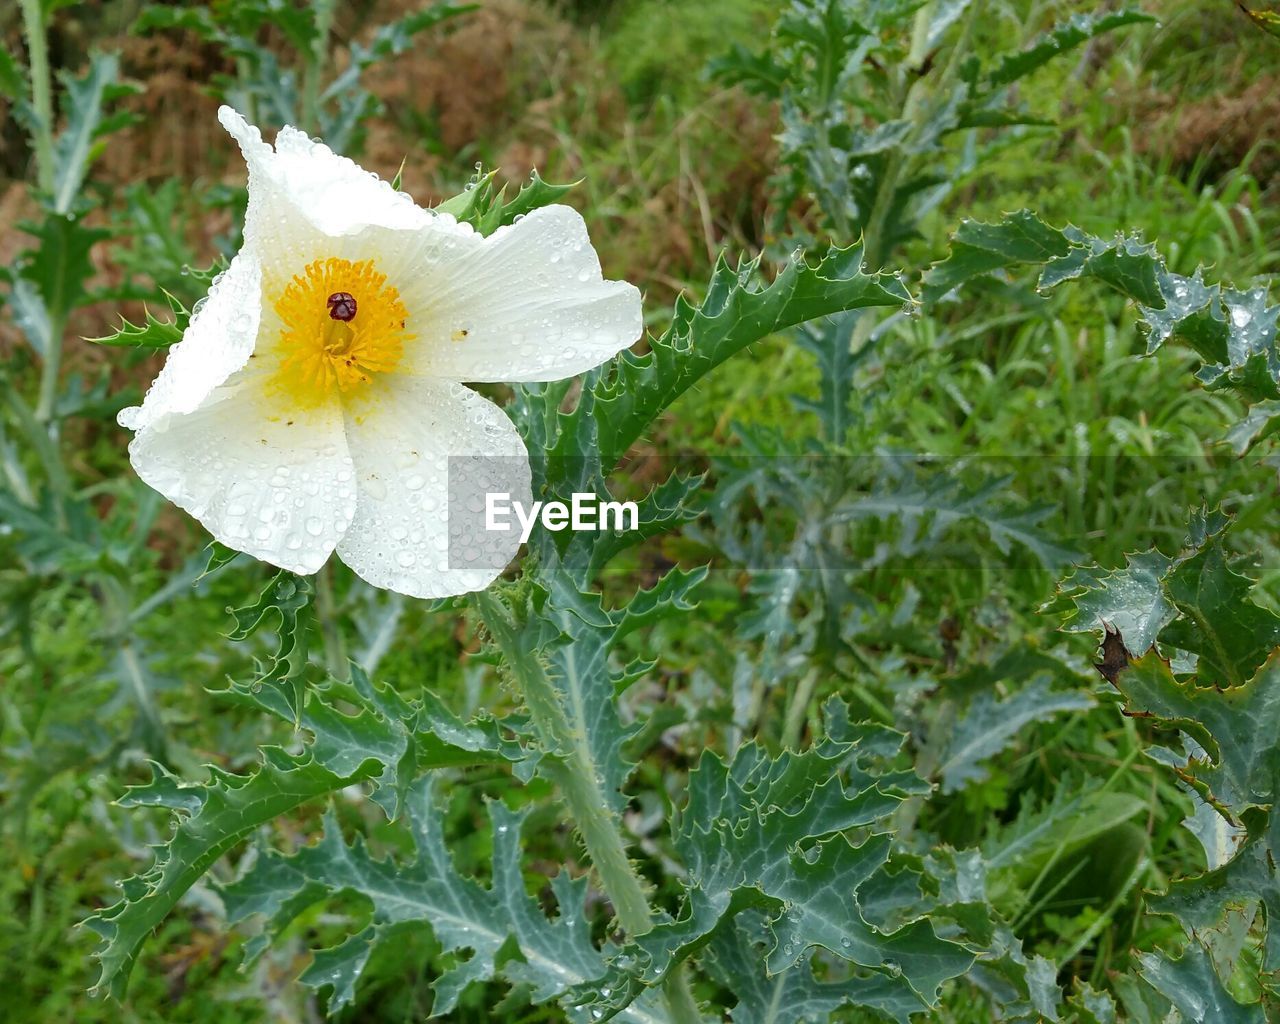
575, 774
42, 142
46, 448
50, 368
315, 65
874, 249
606, 847
910, 93
680, 1002
41, 91
335, 656
796, 708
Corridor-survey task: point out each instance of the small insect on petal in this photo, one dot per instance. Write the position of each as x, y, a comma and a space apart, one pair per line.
342, 306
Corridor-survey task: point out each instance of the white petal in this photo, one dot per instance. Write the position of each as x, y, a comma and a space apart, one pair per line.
527, 304
426, 453
278, 487
302, 191
217, 342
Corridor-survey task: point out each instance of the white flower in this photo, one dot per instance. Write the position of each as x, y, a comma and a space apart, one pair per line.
315, 403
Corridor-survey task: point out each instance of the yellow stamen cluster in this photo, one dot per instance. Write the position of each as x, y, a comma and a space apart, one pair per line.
322, 357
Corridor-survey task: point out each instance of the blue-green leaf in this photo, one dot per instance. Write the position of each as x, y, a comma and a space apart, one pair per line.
1193, 986
769, 833
88, 123
1066, 36
989, 725
376, 737
1234, 332
426, 891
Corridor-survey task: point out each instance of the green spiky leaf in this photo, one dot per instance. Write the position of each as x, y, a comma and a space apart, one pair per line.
1092, 1006
426, 891
397, 36
212, 819
628, 395
1234, 332
152, 332
770, 833
1261, 421
989, 725
1268, 21
377, 737
1219, 621
59, 263
1193, 986
735, 958
1202, 901
1129, 600
1136, 601
487, 208
1077, 29
1237, 727
88, 125
929, 505
285, 599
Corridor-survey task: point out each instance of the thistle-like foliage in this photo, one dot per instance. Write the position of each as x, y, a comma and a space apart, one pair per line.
621, 399
864, 130
1195, 608
1233, 331
628, 395
387, 743
557, 642
427, 892
804, 840
802, 873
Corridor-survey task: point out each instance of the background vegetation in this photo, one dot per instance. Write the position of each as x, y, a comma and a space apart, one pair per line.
109, 633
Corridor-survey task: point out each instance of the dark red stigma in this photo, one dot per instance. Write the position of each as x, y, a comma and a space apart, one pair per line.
342, 306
